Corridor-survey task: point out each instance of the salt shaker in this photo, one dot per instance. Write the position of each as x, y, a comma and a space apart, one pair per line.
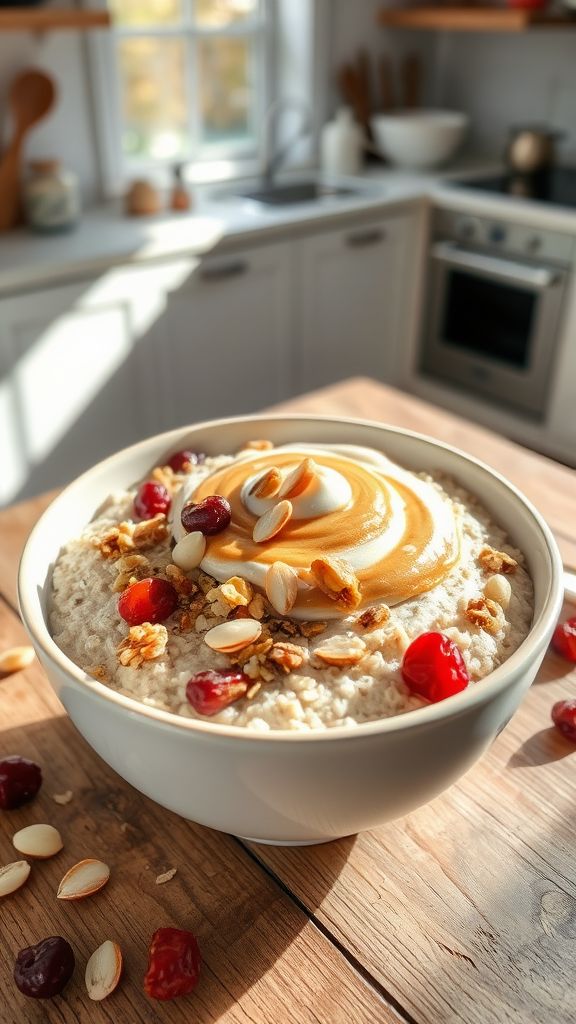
51, 197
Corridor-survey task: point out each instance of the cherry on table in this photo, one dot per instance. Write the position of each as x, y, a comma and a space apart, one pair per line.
434, 668
209, 516
43, 970
564, 639
564, 718
211, 691
173, 964
20, 780
151, 498
149, 600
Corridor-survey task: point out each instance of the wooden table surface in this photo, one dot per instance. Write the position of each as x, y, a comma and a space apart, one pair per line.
464, 912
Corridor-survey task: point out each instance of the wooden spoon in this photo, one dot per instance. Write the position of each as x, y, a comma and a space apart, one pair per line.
32, 95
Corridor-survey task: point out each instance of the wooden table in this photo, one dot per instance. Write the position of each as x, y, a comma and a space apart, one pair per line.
464, 911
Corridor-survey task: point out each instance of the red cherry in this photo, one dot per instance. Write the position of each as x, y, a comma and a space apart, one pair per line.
434, 668
564, 639
182, 462
150, 500
20, 780
173, 964
149, 600
212, 515
211, 691
564, 718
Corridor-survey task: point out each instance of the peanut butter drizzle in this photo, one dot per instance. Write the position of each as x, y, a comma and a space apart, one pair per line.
394, 578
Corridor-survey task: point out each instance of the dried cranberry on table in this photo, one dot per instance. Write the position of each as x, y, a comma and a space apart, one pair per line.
43, 970
173, 964
434, 668
20, 780
151, 498
211, 691
182, 461
209, 516
149, 600
564, 639
564, 718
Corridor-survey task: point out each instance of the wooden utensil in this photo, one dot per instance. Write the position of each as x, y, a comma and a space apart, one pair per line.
32, 95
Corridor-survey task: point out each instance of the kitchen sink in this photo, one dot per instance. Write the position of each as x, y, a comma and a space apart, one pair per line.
296, 192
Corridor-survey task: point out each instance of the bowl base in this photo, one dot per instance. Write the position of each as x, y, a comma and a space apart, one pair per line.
289, 842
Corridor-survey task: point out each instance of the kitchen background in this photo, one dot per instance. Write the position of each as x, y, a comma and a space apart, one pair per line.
389, 282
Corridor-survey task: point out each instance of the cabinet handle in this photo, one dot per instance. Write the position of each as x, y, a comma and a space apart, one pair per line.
227, 270
360, 239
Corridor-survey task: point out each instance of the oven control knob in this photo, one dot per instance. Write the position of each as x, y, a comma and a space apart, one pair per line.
497, 233
468, 227
534, 244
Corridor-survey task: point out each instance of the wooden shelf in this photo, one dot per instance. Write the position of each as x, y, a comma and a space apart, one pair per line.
46, 19
472, 19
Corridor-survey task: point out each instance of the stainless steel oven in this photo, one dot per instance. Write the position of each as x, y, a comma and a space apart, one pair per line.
496, 295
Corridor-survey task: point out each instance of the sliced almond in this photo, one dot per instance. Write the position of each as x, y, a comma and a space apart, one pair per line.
12, 876
84, 879
63, 798
272, 522
166, 876
266, 484
341, 650
103, 970
336, 578
298, 479
39, 841
281, 586
189, 552
233, 635
15, 659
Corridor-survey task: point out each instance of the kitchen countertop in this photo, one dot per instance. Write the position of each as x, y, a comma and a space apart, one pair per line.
460, 913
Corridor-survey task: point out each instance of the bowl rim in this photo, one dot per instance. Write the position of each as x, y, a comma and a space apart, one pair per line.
460, 703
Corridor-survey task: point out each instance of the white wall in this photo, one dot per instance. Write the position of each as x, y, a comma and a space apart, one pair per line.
67, 132
502, 80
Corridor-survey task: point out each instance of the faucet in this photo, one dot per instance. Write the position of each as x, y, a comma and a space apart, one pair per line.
272, 159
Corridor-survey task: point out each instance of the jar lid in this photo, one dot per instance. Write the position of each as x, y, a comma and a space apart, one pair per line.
44, 166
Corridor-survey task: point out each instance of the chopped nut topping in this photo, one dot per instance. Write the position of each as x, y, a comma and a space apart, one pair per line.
130, 568
251, 693
284, 626
99, 672
336, 578
258, 649
189, 618
257, 608
486, 614
310, 629
267, 483
166, 476
183, 586
288, 656
236, 592
143, 643
128, 536
206, 582
259, 446
372, 618
496, 561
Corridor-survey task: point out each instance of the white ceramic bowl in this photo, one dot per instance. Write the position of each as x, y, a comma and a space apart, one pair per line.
419, 138
284, 787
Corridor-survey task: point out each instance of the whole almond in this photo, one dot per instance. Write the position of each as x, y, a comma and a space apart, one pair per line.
12, 876
41, 841
103, 970
189, 552
272, 522
83, 879
233, 635
267, 483
498, 589
281, 586
15, 659
341, 650
298, 479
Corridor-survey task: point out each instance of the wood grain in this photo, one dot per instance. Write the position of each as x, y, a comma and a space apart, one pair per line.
261, 954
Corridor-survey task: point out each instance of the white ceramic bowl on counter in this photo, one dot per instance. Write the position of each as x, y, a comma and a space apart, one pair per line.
419, 139
286, 787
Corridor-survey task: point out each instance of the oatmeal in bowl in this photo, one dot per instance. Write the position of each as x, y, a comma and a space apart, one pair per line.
296, 639
301, 586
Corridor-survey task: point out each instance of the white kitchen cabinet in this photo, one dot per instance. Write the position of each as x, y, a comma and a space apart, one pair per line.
355, 300
228, 336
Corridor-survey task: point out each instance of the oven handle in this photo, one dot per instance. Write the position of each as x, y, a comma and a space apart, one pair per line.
537, 278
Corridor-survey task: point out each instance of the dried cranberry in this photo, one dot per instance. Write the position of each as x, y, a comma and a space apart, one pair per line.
173, 964
564, 639
211, 691
149, 600
182, 461
212, 515
434, 668
150, 500
564, 718
20, 780
42, 971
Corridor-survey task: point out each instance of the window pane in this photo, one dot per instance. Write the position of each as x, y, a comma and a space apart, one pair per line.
219, 13
154, 115
146, 12
225, 90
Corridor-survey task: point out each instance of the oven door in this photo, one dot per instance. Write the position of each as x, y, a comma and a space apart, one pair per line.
493, 325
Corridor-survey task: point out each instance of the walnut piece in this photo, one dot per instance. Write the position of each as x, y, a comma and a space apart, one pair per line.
236, 592
183, 586
256, 607
337, 579
130, 568
100, 672
259, 649
143, 643
288, 656
486, 614
310, 629
496, 561
128, 537
372, 618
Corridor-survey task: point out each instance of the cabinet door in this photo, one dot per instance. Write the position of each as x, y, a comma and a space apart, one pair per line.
228, 336
354, 292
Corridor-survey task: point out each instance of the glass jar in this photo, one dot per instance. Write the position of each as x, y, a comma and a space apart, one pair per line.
51, 197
